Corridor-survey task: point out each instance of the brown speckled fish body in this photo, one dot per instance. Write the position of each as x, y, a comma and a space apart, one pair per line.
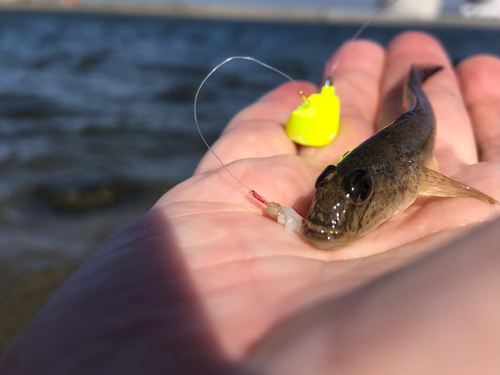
382, 176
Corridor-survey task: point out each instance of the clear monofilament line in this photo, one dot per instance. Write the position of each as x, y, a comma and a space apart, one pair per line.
358, 33
196, 104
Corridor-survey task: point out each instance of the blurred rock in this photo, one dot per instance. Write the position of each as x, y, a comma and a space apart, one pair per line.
79, 198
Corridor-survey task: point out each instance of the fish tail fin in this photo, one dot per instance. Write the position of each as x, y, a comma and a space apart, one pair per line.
417, 76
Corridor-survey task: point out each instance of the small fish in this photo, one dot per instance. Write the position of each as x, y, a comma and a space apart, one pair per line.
383, 175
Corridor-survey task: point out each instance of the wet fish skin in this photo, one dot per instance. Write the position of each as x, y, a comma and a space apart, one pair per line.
383, 175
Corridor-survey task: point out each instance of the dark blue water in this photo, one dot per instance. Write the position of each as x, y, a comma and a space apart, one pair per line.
96, 111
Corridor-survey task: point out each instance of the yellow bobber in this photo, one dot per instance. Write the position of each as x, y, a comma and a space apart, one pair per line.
316, 121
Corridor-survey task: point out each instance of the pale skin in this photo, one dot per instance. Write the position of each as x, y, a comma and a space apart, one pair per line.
206, 283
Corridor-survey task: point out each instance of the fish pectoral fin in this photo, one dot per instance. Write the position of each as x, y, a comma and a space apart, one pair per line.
436, 184
433, 164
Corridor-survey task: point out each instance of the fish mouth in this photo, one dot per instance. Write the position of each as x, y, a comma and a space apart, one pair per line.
326, 238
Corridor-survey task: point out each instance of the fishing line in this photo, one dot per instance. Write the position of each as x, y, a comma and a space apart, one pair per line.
360, 30
198, 93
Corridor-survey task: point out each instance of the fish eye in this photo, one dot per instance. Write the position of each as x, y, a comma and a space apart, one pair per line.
326, 172
359, 185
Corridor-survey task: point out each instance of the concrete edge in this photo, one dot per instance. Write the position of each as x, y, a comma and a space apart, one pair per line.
296, 15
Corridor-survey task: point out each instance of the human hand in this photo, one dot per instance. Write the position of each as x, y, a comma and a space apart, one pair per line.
200, 282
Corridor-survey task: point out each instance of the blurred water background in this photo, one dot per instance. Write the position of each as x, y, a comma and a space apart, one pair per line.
96, 122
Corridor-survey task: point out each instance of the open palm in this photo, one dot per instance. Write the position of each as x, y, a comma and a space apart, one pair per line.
209, 262
227, 236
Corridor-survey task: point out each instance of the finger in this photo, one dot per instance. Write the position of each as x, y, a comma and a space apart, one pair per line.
453, 128
356, 79
258, 130
479, 78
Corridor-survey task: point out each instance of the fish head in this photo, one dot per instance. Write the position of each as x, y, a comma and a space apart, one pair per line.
344, 207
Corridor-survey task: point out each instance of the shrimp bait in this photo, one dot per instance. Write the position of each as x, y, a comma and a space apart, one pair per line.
289, 217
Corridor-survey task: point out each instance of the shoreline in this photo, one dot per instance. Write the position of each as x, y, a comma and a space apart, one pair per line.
251, 14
